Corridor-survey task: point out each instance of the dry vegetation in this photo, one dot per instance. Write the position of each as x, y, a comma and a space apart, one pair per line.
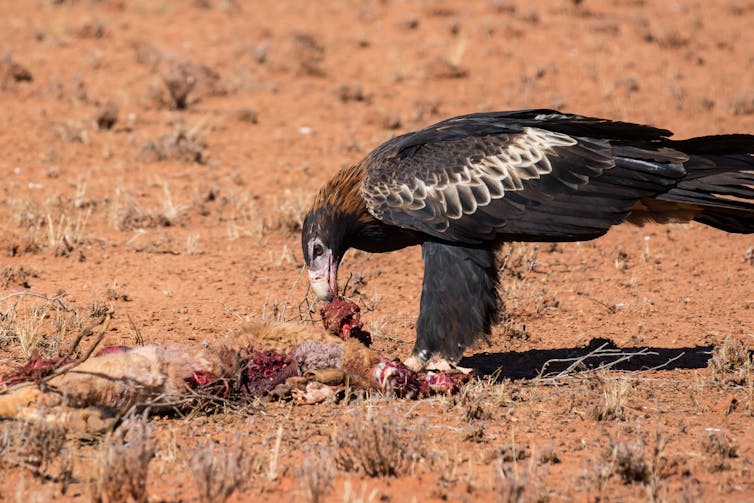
159, 160
220, 470
123, 464
376, 444
37, 447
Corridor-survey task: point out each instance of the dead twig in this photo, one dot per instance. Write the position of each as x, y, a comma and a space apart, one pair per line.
60, 368
578, 366
58, 298
138, 339
290, 292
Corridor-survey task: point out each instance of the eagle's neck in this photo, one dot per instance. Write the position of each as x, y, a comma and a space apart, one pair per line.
343, 211
342, 195
339, 213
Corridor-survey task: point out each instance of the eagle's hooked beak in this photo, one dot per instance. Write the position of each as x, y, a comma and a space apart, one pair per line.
323, 276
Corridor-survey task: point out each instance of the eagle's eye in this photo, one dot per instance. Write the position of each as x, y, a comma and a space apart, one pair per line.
317, 250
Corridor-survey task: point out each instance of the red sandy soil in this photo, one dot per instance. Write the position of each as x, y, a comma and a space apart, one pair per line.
187, 237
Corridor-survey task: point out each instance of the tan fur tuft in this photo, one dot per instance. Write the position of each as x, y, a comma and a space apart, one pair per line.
358, 362
278, 336
662, 212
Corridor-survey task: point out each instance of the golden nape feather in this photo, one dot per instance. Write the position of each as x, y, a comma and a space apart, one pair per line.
342, 193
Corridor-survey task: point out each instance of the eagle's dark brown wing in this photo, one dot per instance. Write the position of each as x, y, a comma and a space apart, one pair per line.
531, 175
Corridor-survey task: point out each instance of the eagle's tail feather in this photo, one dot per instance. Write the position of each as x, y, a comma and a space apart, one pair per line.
718, 189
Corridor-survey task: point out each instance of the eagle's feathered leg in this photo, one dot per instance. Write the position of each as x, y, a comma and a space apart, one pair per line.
459, 301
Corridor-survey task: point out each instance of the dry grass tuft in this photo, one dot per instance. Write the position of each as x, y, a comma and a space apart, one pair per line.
8, 326
255, 217
517, 482
731, 363
185, 83
316, 475
309, 55
548, 455
519, 259
220, 470
36, 446
58, 224
12, 72
612, 405
124, 464
22, 328
179, 80
476, 401
183, 143
28, 332
17, 275
133, 217
629, 463
39, 328
634, 464
377, 445
71, 131
622, 260
287, 212
717, 449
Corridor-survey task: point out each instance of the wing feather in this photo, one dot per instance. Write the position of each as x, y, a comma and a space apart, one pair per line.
476, 177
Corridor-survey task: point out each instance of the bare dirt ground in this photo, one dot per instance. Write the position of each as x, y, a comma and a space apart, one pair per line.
158, 157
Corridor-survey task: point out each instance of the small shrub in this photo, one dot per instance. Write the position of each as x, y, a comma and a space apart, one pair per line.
35, 445
718, 449
630, 464
17, 275
518, 482
183, 143
612, 404
316, 475
376, 445
220, 470
309, 55
124, 464
635, 465
731, 363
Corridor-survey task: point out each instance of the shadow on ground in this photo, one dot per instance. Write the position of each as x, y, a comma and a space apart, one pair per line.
598, 353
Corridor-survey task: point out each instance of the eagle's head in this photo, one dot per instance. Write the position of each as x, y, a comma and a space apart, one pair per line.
322, 238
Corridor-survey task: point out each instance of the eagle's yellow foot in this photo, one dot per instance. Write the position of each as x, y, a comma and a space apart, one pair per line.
415, 363
437, 364
443, 365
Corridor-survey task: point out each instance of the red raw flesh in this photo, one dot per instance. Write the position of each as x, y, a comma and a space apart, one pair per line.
203, 377
267, 369
342, 317
108, 350
441, 383
391, 376
33, 370
210, 383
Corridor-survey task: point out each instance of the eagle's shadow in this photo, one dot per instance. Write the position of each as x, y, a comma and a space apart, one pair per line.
598, 353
